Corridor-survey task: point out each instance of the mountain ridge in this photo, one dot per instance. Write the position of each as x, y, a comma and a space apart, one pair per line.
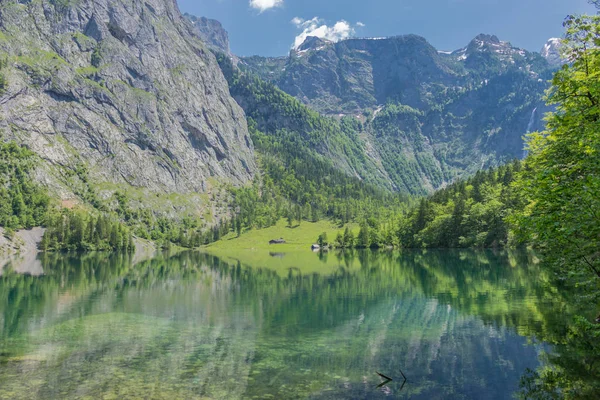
211, 32
357, 79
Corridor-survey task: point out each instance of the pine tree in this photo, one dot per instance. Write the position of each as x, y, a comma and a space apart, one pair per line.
45, 243
238, 227
322, 241
113, 237
299, 214
90, 230
183, 240
130, 244
363, 236
314, 214
339, 240
348, 238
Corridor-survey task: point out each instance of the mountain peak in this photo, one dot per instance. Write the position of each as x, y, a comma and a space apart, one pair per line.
551, 52
482, 37
313, 43
211, 32
483, 42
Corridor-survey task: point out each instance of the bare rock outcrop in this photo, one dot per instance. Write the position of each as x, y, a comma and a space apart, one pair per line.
122, 87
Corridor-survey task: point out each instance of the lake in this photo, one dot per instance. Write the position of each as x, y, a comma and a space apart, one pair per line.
457, 324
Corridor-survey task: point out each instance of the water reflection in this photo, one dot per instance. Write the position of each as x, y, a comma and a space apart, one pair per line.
197, 326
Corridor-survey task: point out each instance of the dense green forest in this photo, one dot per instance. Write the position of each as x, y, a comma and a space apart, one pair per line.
468, 213
25, 204
83, 231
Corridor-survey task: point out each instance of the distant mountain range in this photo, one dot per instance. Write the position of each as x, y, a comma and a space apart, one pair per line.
355, 74
429, 116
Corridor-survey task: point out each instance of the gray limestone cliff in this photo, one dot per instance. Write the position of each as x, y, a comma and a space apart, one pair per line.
122, 89
211, 32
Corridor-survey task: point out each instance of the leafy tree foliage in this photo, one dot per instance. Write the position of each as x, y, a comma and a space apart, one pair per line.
561, 184
561, 178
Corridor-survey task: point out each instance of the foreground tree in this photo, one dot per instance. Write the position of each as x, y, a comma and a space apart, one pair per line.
561, 178
561, 181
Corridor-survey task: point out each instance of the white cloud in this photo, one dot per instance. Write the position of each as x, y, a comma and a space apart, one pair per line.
264, 5
317, 27
360, 24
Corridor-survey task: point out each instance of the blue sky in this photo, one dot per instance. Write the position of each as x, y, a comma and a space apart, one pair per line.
271, 27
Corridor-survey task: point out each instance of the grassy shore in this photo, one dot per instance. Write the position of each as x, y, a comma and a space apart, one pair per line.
252, 248
298, 237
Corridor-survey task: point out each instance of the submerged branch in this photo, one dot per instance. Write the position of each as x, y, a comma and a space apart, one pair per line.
384, 377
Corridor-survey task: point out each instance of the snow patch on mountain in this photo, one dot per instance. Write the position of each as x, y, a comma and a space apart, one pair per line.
551, 52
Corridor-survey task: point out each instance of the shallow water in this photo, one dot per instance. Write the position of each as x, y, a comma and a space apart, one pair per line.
458, 324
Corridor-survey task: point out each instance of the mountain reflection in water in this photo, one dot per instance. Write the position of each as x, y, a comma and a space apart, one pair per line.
192, 325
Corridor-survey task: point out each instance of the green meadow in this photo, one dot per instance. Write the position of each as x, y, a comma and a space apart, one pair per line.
297, 237
253, 247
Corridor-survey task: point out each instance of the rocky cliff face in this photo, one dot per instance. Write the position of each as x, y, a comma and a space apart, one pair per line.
355, 74
122, 89
211, 32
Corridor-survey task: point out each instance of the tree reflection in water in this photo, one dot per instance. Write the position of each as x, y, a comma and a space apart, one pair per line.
460, 324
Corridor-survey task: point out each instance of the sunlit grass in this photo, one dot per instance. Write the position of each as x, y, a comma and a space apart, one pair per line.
252, 248
298, 237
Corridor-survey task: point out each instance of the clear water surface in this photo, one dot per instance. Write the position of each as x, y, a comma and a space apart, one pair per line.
458, 324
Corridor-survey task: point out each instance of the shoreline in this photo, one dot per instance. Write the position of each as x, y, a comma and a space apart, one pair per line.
21, 252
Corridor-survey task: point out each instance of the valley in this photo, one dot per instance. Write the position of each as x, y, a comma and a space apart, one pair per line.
180, 221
